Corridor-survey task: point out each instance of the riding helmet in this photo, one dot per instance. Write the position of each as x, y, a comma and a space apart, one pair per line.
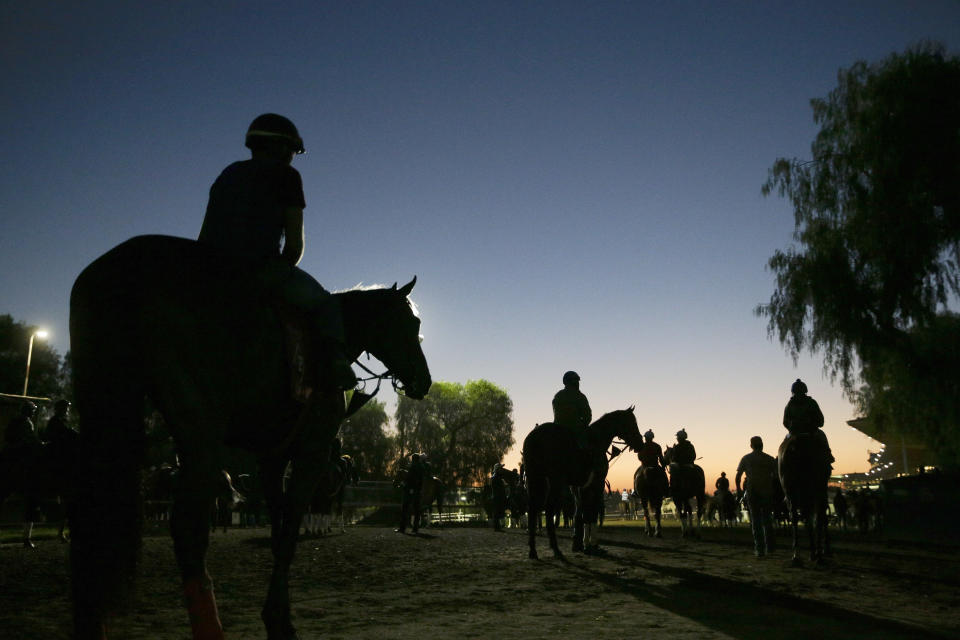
682, 434
570, 377
271, 125
798, 387
649, 434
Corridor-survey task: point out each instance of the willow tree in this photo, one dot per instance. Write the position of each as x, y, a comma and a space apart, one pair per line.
463, 428
877, 228
365, 437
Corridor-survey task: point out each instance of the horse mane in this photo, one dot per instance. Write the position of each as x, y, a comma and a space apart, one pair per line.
363, 288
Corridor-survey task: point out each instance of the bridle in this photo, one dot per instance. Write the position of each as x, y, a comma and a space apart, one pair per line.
379, 377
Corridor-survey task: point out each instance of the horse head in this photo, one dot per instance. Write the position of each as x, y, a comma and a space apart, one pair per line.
619, 424
629, 432
668, 454
384, 322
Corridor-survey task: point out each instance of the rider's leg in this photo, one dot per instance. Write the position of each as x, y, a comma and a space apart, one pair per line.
303, 292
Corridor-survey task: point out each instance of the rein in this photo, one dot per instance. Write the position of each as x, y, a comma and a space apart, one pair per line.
360, 396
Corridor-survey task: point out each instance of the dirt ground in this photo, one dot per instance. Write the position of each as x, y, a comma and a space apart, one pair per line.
371, 582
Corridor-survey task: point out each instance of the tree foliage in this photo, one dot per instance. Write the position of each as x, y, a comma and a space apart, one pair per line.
463, 429
877, 221
48, 377
365, 438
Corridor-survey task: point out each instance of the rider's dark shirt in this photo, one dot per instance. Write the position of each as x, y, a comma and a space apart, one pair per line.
571, 409
684, 453
650, 454
245, 212
802, 415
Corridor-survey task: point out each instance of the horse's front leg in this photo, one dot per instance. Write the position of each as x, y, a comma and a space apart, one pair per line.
795, 524
287, 516
189, 527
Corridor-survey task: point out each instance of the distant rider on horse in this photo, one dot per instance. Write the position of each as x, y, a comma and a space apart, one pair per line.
683, 452
722, 483
256, 203
651, 457
802, 415
571, 409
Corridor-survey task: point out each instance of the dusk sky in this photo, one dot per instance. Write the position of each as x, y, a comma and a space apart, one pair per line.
575, 185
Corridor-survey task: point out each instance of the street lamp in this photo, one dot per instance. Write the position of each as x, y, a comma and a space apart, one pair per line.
36, 334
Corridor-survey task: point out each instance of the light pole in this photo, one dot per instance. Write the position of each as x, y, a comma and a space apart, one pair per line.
36, 334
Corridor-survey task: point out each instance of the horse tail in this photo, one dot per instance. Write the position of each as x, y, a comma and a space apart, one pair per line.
108, 396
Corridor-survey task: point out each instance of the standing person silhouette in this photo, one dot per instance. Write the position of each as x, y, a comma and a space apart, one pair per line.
571, 409
254, 205
62, 445
22, 449
412, 488
760, 488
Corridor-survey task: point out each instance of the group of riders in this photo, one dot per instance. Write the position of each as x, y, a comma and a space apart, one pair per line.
756, 482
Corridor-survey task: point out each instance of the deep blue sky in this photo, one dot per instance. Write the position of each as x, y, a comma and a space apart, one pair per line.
576, 185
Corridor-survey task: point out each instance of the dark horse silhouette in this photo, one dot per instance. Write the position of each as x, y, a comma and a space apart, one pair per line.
152, 318
722, 507
553, 461
804, 474
686, 483
650, 485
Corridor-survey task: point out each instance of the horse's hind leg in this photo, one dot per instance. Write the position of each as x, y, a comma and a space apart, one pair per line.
537, 490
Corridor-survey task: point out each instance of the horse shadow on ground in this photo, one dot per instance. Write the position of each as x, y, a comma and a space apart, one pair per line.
739, 609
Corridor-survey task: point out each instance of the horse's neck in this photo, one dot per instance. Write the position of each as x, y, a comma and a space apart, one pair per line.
355, 320
601, 436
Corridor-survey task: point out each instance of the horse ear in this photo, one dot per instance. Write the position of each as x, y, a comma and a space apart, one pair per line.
407, 288
630, 409
394, 287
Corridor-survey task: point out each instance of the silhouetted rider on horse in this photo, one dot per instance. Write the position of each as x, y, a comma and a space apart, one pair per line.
651, 457
801, 416
722, 483
571, 409
256, 203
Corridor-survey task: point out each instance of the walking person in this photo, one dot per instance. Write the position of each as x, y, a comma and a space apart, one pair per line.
840, 506
759, 491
